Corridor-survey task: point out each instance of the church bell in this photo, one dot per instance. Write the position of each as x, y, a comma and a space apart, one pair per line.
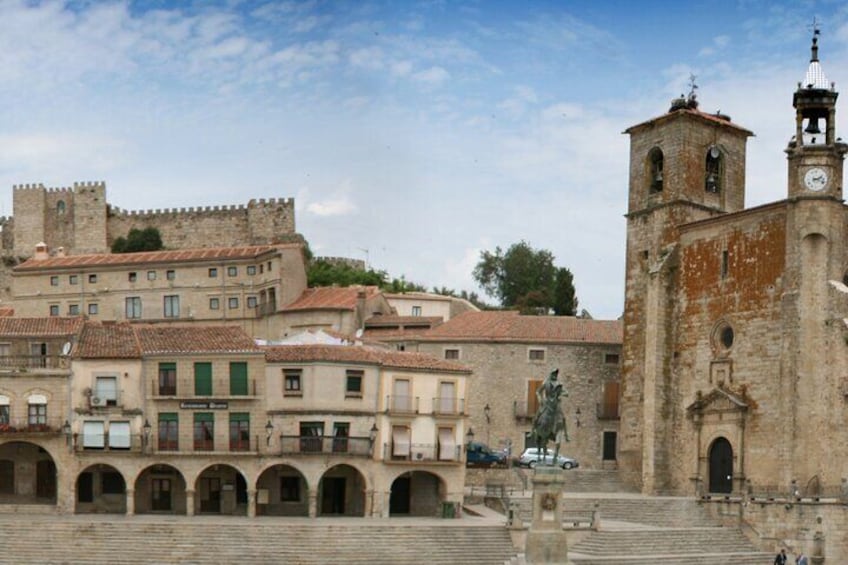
812, 126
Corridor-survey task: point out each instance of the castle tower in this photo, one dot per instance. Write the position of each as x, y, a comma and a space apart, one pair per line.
685, 165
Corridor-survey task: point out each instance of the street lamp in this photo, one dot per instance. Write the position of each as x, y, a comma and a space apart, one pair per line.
487, 411
470, 435
269, 429
66, 430
372, 433
146, 429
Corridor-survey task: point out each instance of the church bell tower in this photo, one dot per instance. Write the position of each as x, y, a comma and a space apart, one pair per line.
815, 154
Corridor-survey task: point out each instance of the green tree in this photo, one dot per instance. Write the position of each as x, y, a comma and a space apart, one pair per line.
526, 278
327, 273
148, 239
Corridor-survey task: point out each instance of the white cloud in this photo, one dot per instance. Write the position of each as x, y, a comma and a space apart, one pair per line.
432, 76
339, 203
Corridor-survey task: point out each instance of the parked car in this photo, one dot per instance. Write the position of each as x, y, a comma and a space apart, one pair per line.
480, 455
533, 455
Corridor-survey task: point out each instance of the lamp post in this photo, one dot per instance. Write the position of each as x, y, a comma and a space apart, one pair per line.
269, 430
66, 430
372, 437
146, 431
487, 412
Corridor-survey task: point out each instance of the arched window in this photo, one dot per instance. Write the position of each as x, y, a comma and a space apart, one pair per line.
712, 172
60, 207
655, 170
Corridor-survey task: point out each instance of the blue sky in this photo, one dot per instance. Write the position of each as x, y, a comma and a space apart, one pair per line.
422, 132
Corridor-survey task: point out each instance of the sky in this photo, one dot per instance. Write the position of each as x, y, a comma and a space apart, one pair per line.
412, 135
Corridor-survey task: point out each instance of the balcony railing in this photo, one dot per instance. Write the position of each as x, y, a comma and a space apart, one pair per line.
325, 445
448, 406
33, 362
185, 389
523, 410
422, 453
37, 426
607, 410
252, 445
402, 404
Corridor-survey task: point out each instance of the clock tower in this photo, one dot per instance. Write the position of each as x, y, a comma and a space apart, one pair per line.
815, 154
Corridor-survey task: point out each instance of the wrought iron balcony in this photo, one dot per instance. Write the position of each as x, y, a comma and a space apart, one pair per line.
448, 406
35, 426
325, 445
27, 362
422, 452
402, 404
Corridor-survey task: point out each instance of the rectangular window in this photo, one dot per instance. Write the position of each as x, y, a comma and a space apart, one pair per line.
167, 379
54, 309
93, 435
261, 269
73, 279
532, 400
291, 383
172, 306
214, 303
5, 349
119, 435
269, 266
203, 379
341, 431
311, 436
232, 271
609, 406
289, 489
611, 358
151, 275
37, 415
73, 309
251, 270
400, 442
169, 431
251, 302
171, 274
92, 309
536, 355
240, 432
4, 414
54, 280
447, 445
204, 431
451, 353
353, 385
401, 396
132, 276
724, 264
416, 310
105, 391
610, 441
213, 272
232, 302
132, 306
238, 379
92, 279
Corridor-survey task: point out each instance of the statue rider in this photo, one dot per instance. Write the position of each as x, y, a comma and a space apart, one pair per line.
550, 420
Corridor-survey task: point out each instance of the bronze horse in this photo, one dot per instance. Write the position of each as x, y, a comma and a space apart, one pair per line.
549, 423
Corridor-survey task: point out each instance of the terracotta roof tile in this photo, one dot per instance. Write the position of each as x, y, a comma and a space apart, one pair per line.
107, 341
403, 321
194, 339
510, 326
39, 327
150, 257
359, 354
330, 297
7, 311
124, 340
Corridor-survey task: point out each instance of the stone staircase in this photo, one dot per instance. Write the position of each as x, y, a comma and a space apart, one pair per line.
122, 540
590, 480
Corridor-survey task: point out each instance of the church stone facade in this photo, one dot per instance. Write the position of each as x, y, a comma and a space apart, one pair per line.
735, 333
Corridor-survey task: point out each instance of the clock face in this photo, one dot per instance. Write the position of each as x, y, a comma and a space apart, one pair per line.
815, 178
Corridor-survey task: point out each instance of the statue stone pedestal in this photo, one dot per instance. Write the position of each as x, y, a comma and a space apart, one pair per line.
546, 540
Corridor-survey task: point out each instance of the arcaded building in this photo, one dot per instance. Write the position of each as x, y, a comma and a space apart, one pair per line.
734, 358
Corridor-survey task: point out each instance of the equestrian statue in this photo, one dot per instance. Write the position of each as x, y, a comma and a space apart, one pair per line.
549, 422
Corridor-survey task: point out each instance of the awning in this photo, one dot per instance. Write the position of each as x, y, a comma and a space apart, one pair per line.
119, 435
400, 441
92, 435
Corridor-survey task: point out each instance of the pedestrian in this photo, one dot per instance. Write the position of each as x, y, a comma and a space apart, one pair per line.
780, 558
801, 559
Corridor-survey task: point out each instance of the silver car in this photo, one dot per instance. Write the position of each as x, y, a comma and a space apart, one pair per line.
533, 455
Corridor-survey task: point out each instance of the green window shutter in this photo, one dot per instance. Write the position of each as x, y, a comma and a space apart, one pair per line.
204, 417
168, 417
239, 417
203, 379
167, 366
238, 378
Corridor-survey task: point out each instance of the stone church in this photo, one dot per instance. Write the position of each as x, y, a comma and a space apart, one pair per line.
735, 378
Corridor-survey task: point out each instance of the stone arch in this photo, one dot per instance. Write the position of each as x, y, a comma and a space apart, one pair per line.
417, 493
60, 207
655, 170
160, 488
282, 490
101, 488
28, 474
221, 488
341, 491
713, 169
720, 466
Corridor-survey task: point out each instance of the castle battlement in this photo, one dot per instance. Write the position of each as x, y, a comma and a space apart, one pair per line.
254, 203
58, 189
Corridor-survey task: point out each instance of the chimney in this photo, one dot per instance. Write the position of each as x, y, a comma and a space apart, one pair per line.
60, 252
41, 251
360, 308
